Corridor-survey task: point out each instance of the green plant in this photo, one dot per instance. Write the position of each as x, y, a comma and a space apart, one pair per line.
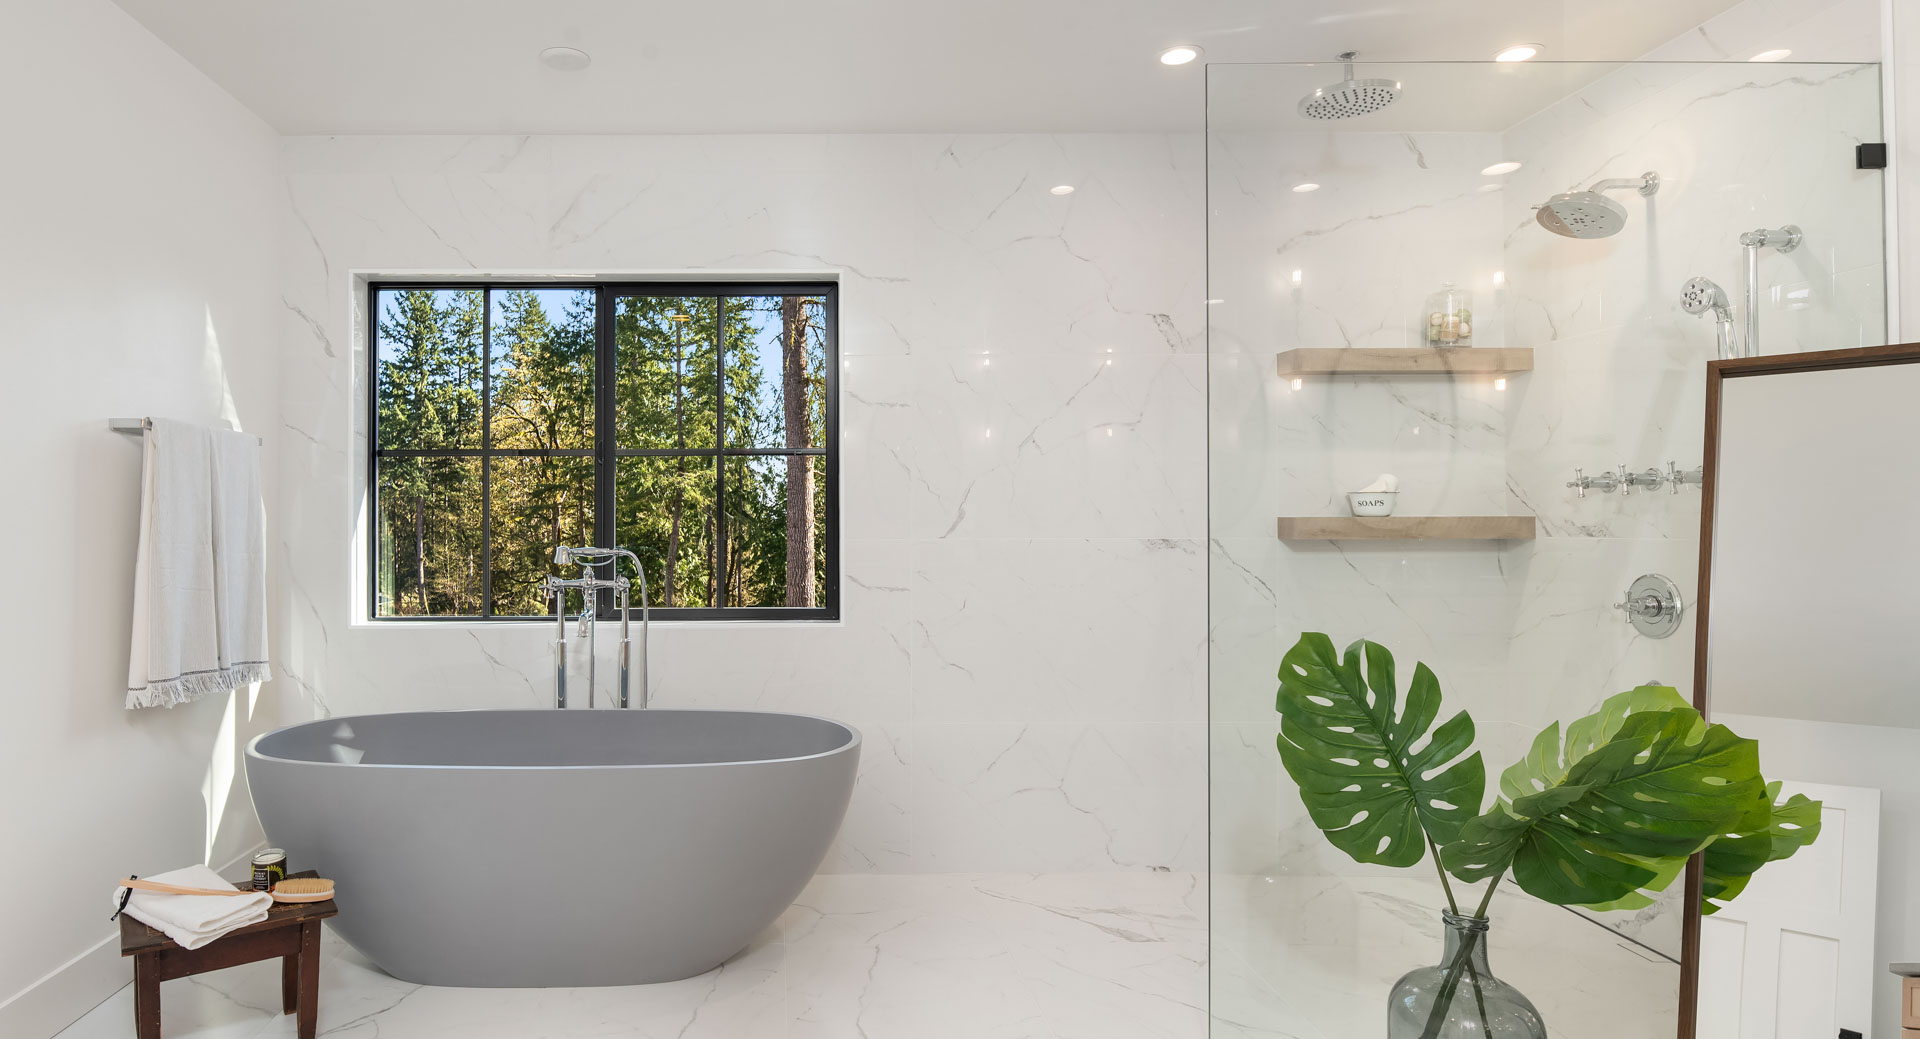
1604, 817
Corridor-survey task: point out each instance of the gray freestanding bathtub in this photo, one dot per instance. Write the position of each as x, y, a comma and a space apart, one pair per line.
543, 848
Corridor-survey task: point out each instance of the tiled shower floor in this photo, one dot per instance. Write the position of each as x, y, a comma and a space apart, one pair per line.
1054, 956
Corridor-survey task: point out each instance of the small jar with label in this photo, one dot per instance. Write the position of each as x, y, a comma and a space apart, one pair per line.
1447, 319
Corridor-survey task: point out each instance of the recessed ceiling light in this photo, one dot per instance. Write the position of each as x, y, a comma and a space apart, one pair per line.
1519, 52
1306, 187
1772, 55
1484, 188
1179, 55
565, 59
1062, 189
1500, 169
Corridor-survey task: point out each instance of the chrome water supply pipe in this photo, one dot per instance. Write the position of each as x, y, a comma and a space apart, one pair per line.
587, 558
1782, 240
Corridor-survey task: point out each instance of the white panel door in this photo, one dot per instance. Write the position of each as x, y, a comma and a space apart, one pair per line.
1792, 957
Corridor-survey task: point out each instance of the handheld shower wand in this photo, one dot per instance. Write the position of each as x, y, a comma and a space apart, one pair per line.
1701, 296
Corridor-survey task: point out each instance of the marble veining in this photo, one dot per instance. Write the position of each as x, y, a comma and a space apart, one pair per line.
1520, 634
961, 956
1022, 421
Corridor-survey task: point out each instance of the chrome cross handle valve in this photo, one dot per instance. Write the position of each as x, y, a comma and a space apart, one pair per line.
1676, 476
1652, 606
1651, 479
1646, 606
1606, 483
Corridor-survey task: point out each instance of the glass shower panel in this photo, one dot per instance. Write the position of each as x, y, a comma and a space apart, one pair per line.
1326, 241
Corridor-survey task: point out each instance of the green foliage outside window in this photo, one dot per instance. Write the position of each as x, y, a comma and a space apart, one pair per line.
486, 429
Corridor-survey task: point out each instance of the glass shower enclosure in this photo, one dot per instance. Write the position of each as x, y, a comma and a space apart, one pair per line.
1386, 297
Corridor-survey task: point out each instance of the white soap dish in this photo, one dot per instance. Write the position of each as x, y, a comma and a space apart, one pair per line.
1371, 503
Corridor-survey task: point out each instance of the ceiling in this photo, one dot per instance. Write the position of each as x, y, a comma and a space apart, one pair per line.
745, 66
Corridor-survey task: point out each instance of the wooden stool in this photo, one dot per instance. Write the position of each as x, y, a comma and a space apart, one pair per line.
290, 931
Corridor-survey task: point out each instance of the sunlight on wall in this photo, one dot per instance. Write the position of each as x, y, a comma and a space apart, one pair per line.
218, 782
214, 367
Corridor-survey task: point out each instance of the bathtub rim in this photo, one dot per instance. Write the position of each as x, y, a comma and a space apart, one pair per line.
853, 743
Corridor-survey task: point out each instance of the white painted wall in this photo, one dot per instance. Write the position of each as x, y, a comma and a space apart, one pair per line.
139, 218
1813, 609
1879, 757
1024, 630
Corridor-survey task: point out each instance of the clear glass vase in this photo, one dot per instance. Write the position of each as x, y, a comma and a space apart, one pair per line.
1460, 998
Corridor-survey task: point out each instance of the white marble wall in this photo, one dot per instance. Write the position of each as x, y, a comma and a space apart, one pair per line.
1023, 500
1520, 634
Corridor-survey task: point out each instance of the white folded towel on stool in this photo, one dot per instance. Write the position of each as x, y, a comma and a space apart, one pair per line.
194, 920
199, 585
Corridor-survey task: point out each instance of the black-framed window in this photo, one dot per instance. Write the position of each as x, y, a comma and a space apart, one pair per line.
696, 425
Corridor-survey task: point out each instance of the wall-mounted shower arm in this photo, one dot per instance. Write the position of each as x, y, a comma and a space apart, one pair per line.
1782, 240
1647, 184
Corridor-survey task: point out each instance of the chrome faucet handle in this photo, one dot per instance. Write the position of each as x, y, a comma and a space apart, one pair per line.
1649, 605
1651, 479
1676, 476
1606, 483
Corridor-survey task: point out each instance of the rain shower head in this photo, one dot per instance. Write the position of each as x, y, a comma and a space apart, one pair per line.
1349, 97
1590, 214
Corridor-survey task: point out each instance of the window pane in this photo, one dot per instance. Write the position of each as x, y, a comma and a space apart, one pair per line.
664, 513
665, 382
537, 504
427, 346
776, 531
542, 368
428, 537
776, 371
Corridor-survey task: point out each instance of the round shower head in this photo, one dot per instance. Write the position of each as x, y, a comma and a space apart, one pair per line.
1590, 214
1349, 97
1701, 296
1582, 214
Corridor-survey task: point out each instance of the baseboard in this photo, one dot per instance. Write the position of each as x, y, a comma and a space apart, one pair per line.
43, 1008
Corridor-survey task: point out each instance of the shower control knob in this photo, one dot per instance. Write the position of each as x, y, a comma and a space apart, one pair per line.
1676, 476
1606, 483
1653, 606
1651, 479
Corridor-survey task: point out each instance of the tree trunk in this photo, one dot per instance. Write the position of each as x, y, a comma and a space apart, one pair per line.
673, 540
793, 387
420, 548
679, 441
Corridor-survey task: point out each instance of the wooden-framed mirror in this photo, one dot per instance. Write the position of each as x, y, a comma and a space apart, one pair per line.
1804, 618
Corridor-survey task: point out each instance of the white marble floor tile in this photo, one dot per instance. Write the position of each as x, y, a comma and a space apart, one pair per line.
903, 956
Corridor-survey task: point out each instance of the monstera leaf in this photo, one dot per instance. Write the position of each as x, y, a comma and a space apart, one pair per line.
1346, 739
1602, 816
1732, 859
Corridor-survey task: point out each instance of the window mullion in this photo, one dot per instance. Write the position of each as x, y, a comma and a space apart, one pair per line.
486, 453
720, 456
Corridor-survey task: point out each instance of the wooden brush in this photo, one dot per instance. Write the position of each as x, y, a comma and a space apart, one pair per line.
300, 889
303, 889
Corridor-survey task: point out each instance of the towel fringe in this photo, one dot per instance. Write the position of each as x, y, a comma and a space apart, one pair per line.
188, 688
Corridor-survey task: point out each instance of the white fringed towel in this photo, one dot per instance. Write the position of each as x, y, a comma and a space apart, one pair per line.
194, 920
200, 584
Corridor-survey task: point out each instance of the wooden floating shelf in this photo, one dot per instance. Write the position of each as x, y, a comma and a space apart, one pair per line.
1455, 360
1406, 528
